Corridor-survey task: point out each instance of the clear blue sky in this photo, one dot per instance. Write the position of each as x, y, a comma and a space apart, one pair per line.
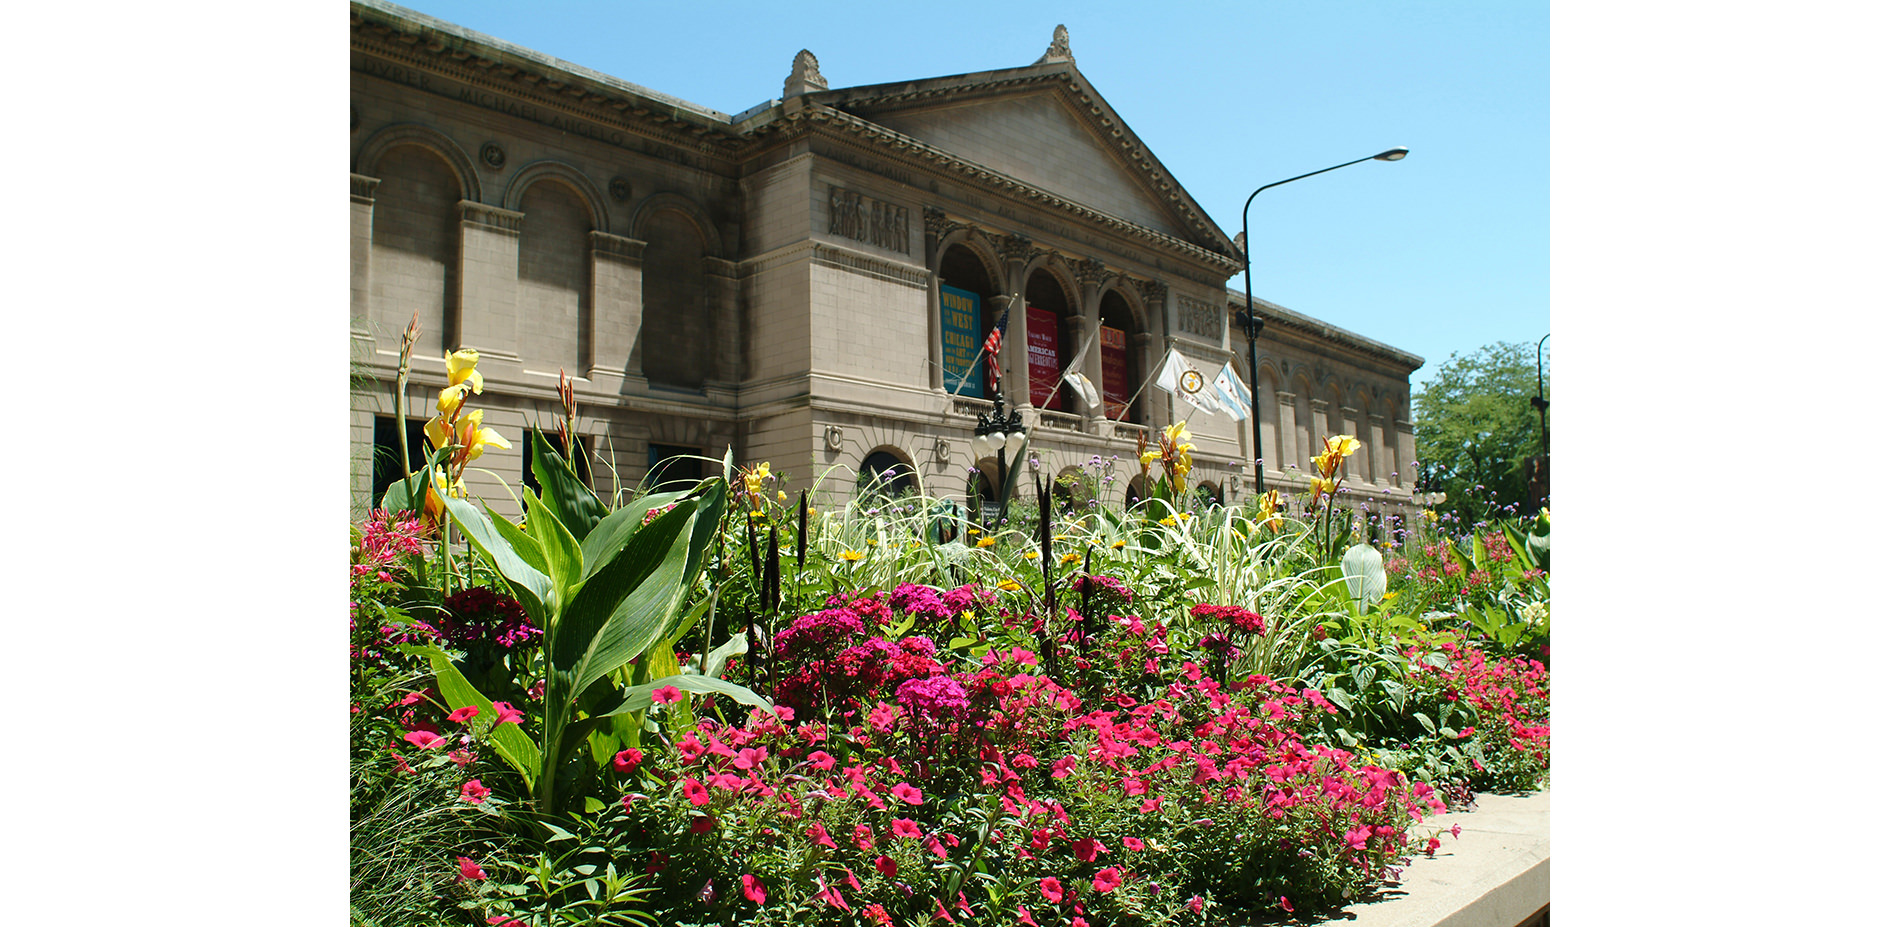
1444, 251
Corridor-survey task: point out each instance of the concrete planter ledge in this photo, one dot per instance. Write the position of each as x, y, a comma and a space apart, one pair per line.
1496, 873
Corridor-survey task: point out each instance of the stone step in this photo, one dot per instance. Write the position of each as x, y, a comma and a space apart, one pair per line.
1496, 873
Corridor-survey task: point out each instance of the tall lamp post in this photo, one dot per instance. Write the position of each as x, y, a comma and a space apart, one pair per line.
1539, 402
1253, 322
1000, 430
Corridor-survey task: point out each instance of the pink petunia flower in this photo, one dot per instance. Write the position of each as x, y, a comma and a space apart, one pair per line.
1022, 917
820, 836
666, 695
702, 824
1134, 843
821, 760
1356, 837
887, 867
905, 827
1286, 905
509, 714
461, 715
907, 793
1051, 888
1108, 879
627, 759
474, 792
1087, 848
426, 740
468, 871
694, 791
754, 889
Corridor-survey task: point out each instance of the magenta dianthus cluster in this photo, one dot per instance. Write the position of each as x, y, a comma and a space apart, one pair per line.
938, 698
1233, 616
479, 613
817, 635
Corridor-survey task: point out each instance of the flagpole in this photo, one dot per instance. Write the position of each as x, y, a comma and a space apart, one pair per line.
1074, 363
1144, 385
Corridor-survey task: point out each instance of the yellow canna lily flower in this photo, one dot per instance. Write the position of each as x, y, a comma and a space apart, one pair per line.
449, 398
781, 495
1178, 435
471, 434
461, 366
1149, 457
1322, 486
1342, 445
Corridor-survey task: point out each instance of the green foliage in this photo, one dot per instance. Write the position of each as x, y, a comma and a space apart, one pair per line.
1475, 426
610, 603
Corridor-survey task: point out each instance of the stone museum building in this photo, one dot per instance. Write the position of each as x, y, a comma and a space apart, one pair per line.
808, 282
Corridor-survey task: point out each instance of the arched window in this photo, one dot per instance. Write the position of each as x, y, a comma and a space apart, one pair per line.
965, 289
886, 474
553, 278
1121, 376
414, 242
1139, 489
1052, 342
1209, 493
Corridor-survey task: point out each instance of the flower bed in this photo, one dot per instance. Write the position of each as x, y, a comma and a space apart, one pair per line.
724, 706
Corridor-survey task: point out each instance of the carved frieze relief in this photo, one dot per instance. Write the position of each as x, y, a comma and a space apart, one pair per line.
873, 222
1199, 318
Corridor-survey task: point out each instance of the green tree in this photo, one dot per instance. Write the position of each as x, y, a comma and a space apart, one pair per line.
1476, 429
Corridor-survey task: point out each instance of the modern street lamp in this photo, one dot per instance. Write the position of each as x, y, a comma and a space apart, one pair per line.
999, 431
1253, 321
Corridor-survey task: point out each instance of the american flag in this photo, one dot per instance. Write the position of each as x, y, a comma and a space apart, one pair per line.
993, 345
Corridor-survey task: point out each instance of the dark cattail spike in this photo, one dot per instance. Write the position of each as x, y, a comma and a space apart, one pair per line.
802, 510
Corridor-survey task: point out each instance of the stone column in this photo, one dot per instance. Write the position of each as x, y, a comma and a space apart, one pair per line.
1408, 452
1016, 253
935, 225
612, 360
1353, 466
486, 276
1288, 432
1321, 430
1093, 273
362, 214
1376, 471
1154, 298
362, 344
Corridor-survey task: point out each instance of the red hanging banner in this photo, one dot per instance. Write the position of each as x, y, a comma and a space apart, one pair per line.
1045, 368
1114, 372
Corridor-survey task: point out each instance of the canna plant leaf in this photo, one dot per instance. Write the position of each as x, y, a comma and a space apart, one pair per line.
569, 499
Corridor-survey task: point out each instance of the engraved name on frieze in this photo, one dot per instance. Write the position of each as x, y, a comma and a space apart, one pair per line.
874, 222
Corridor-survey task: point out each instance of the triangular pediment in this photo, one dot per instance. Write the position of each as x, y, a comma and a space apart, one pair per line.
1045, 126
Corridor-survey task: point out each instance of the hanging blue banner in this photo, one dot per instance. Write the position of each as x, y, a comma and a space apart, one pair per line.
960, 320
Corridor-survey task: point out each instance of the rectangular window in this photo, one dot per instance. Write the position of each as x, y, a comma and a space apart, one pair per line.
386, 455
672, 464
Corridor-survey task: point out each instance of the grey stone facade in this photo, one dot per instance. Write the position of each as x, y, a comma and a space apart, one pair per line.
770, 281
